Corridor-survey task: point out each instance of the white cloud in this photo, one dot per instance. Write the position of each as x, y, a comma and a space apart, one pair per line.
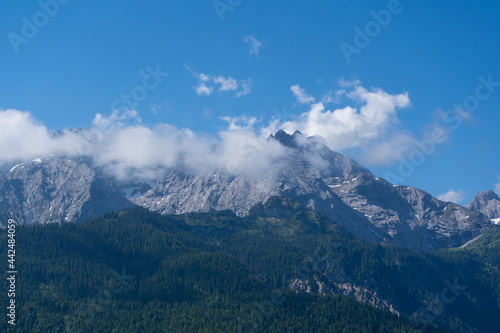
452, 196
160, 107
302, 96
203, 90
242, 122
388, 150
117, 118
226, 84
245, 88
22, 138
208, 84
349, 83
255, 45
497, 186
349, 127
332, 97
127, 149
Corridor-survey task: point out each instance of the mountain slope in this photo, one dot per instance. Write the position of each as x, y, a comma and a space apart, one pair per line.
57, 189
211, 271
330, 183
137, 271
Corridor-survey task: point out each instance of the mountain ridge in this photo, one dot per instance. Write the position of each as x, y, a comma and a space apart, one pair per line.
68, 189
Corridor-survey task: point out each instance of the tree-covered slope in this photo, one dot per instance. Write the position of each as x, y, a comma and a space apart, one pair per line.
281, 269
140, 272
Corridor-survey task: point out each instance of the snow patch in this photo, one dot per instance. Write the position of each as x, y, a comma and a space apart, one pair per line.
15, 166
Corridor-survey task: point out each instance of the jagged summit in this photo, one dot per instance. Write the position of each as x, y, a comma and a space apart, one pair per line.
487, 203
286, 139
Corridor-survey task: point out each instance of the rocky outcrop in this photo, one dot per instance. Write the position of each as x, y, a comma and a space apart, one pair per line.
486, 203
57, 189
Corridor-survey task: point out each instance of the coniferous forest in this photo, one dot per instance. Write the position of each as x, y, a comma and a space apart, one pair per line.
282, 268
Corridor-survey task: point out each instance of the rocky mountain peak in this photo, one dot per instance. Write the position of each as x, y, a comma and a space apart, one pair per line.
486, 203
286, 139
487, 196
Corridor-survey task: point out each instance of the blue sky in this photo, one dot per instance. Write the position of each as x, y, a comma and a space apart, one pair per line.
87, 54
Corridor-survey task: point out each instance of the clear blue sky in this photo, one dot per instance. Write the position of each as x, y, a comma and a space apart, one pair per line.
91, 52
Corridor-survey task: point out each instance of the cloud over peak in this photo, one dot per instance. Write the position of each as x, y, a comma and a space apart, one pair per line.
128, 149
348, 127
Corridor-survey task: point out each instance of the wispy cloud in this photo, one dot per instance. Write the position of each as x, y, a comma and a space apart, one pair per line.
301, 95
255, 44
203, 90
116, 119
242, 122
208, 84
497, 186
332, 96
387, 150
159, 107
452, 196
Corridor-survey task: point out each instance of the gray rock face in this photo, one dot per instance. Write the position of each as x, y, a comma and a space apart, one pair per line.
57, 189
487, 203
410, 217
330, 183
357, 291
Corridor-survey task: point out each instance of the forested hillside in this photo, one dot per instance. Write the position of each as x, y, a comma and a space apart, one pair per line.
277, 270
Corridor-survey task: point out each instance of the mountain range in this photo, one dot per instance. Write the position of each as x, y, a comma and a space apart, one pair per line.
72, 189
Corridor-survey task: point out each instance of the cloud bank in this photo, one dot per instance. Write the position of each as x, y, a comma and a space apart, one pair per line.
127, 149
